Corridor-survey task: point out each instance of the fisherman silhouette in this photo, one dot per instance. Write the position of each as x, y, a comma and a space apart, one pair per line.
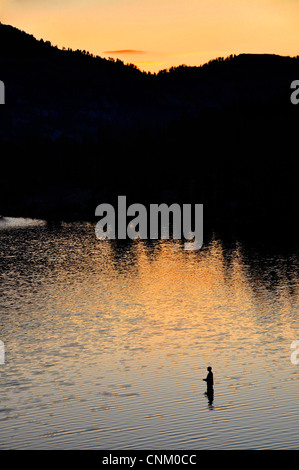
210, 384
209, 380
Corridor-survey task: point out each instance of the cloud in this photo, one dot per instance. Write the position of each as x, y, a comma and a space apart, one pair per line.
125, 51
148, 62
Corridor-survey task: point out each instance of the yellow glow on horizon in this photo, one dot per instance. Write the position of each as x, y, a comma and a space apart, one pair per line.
166, 32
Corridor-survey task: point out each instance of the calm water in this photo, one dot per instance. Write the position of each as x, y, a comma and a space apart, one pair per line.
107, 344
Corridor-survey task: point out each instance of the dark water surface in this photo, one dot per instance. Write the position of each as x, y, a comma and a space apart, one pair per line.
107, 343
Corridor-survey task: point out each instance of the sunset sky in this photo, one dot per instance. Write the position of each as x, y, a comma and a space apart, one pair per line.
157, 34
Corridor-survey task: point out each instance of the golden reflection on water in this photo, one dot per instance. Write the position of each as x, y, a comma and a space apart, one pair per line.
119, 336
171, 296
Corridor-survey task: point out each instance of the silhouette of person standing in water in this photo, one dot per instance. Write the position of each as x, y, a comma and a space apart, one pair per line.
210, 385
209, 379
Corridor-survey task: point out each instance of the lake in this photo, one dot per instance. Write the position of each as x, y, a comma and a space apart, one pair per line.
107, 343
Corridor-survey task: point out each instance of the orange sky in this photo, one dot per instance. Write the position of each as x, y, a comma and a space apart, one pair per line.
156, 34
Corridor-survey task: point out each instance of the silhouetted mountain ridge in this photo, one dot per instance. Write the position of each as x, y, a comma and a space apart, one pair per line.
78, 130
81, 92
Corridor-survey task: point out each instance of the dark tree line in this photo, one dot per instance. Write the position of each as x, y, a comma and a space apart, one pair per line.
79, 130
